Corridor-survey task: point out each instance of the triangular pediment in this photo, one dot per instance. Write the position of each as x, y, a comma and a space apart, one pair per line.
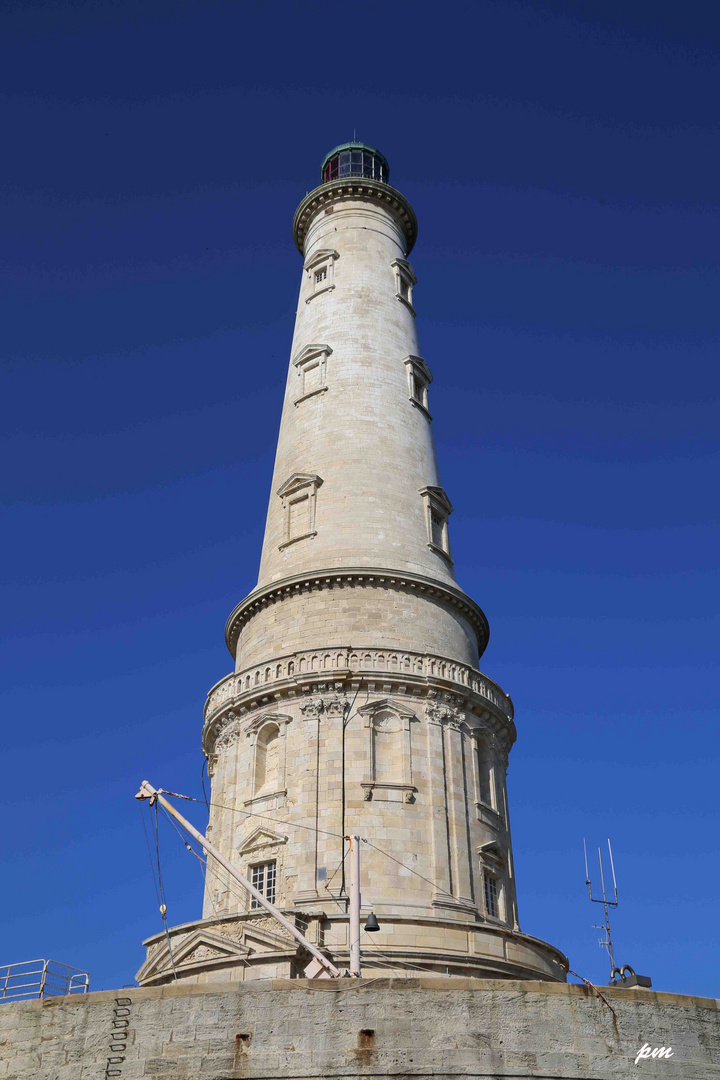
199, 947
405, 268
439, 496
297, 481
320, 256
260, 838
492, 852
421, 365
309, 352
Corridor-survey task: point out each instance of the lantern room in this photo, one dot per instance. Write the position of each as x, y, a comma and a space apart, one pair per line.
354, 159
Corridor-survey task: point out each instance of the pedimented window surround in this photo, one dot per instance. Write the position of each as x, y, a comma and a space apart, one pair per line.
389, 776
438, 509
311, 366
405, 281
299, 499
320, 268
263, 848
419, 379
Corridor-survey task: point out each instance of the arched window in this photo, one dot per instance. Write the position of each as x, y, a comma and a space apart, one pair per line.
267, 759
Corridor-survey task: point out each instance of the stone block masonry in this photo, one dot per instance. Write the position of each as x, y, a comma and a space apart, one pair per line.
404, 1028
357, 702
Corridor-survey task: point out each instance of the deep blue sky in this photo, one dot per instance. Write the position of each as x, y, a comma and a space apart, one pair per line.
562, 158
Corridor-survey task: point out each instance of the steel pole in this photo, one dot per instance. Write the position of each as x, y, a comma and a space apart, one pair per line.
354, 905
147, 791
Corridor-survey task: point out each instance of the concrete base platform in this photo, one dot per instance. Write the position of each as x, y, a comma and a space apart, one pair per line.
299, 1029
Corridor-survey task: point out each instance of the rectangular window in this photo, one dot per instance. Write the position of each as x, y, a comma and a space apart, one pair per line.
312, 378
404, 281
321, 275
438, 530
491, 896
299, 510
416, 388
264, 877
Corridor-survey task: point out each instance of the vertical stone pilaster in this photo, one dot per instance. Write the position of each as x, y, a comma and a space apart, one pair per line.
308, 789
437, 784
501, 780
457, 812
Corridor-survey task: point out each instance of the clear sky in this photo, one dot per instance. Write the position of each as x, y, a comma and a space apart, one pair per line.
562, 157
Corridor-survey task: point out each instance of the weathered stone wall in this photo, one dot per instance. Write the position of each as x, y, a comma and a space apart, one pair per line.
355, 425
432, 1027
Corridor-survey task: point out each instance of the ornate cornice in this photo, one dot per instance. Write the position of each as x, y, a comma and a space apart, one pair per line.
447, 595
355, 188
459, 697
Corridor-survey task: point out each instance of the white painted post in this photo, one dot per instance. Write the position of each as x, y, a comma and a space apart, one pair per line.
354, 905
147, 791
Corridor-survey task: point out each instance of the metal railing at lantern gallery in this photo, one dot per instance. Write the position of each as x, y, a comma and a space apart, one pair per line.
41, 978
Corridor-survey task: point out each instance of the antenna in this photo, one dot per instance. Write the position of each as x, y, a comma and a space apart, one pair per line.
624, 976
607, 943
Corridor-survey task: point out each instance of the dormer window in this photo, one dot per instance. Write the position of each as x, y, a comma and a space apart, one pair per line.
311, 366
405, 281
320, 269
419, 379
299, 498
437, 511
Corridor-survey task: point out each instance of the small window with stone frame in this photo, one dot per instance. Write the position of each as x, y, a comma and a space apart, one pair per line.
311, 366
264, 877
299, 500
437, 511
419, 379
320, 268
492, 895
405, 281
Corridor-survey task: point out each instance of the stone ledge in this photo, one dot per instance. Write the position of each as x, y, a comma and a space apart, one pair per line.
437, 983
450, 596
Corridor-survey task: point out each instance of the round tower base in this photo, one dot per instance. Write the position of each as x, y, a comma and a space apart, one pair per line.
406, 1028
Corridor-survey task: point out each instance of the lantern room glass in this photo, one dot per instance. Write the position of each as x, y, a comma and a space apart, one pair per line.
355, 163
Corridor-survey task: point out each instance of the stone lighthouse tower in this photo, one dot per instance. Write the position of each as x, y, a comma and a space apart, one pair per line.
356, 704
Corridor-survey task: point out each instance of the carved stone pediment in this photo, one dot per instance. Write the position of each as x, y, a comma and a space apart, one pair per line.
491, 854
261, 838
200, 946
296, 482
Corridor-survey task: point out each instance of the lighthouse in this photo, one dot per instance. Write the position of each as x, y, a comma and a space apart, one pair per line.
356, 704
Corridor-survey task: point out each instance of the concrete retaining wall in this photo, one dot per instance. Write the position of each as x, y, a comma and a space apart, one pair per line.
427, 1027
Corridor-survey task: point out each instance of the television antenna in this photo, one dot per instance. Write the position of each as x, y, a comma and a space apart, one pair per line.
605, 943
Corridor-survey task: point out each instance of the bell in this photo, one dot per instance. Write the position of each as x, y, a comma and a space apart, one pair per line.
372, 924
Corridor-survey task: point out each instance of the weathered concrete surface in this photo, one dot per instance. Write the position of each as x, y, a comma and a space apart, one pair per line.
427, 1027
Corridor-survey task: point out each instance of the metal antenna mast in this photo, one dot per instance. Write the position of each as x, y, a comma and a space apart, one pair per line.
607, 943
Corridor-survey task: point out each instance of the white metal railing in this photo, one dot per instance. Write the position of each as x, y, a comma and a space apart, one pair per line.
41, 978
